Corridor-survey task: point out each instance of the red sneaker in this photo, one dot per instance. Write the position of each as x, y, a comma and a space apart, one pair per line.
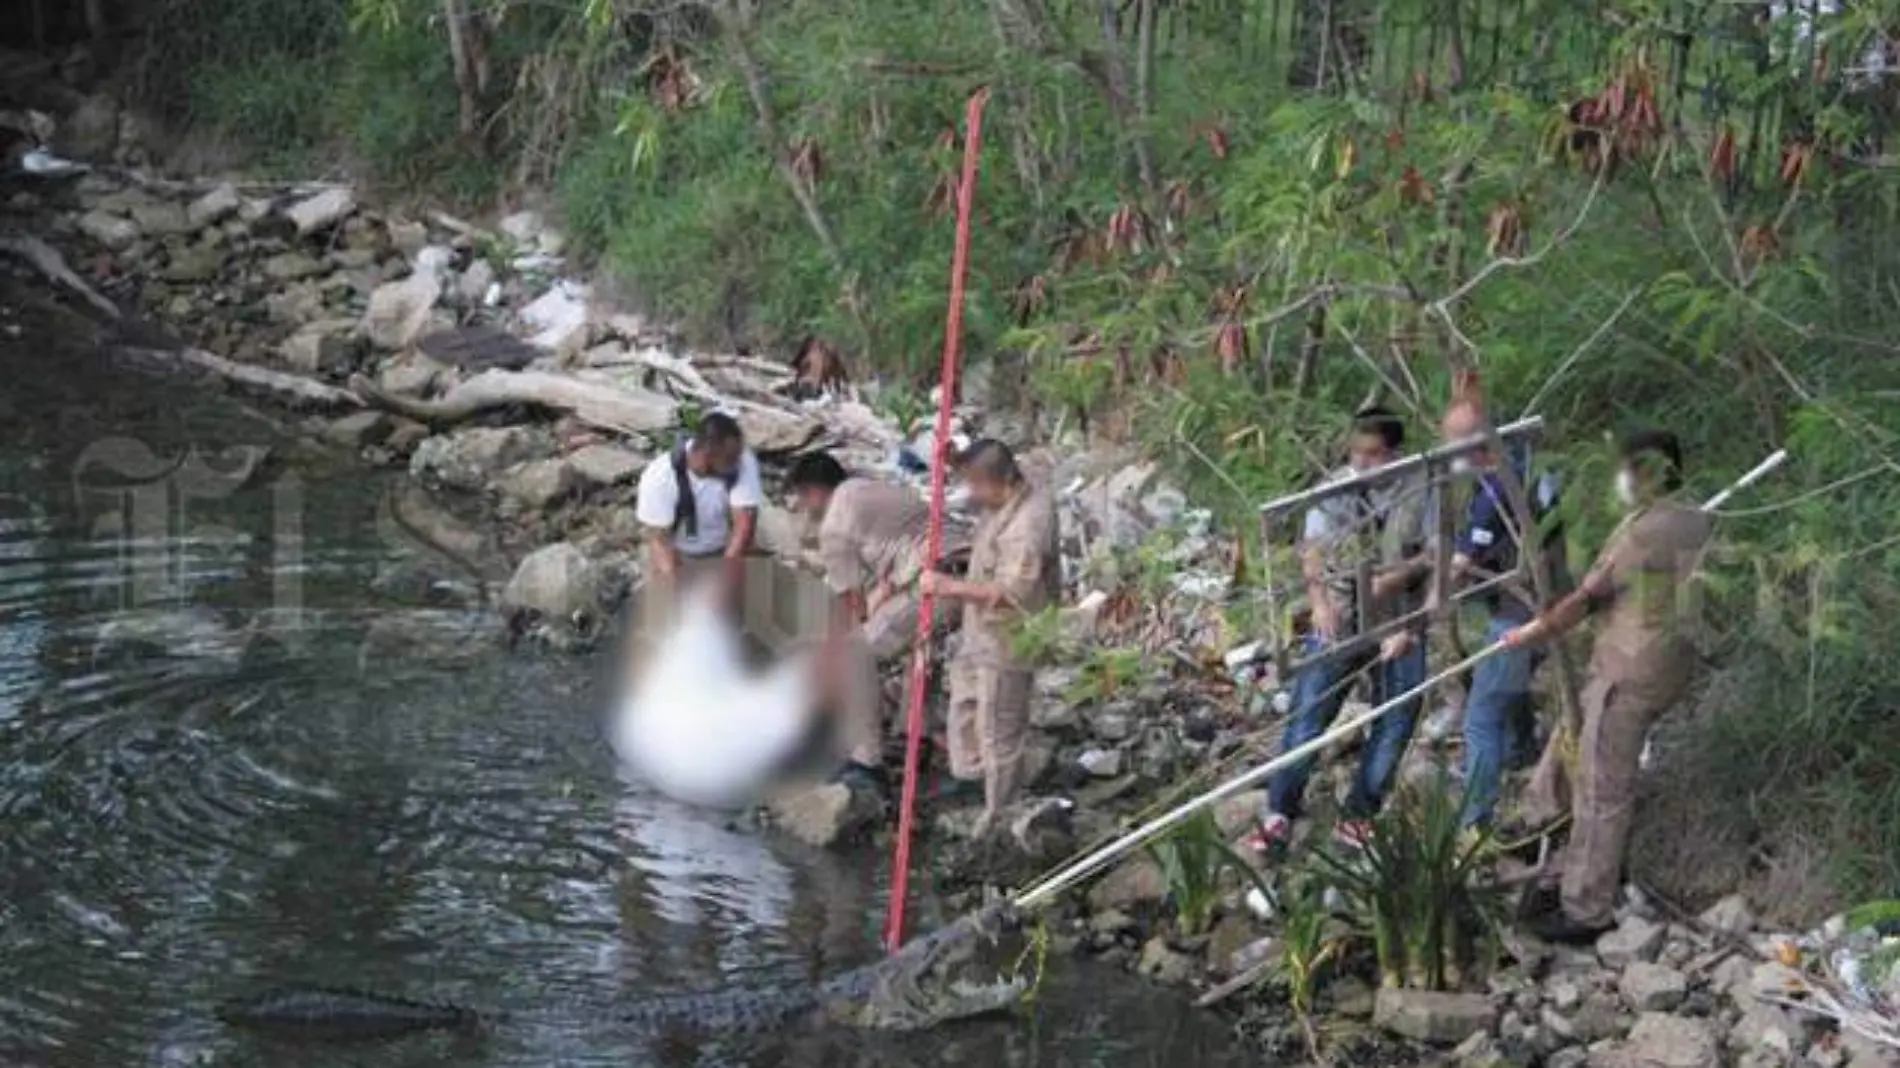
1272, 833
1353, 834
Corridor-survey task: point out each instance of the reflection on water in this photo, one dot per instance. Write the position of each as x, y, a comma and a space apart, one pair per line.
234, 752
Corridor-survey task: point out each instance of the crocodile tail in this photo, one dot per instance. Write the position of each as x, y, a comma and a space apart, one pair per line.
339, 1013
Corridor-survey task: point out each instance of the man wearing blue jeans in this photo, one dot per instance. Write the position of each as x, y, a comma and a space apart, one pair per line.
1499, 723
1384, 527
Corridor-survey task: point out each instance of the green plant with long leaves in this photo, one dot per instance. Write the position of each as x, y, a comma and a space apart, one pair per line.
1106, 673
1418, 890
1195, 860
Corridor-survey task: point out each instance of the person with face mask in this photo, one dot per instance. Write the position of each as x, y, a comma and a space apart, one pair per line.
698, 506
872, 538
1385, 529
1640, 665
1499, 724
1015, 571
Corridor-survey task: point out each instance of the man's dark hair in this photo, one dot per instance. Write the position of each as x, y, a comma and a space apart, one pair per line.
990, 458
1657, 448
1381, 421
815, 470
718, 428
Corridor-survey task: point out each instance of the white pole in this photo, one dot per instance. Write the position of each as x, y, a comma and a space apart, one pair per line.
1753, 476
1095, 861
1107, 854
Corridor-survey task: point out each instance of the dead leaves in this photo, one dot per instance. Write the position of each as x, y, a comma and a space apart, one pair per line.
818, 368
1504, 230
1760, 244
670, 80
1722, 155
1796, 158
808, 162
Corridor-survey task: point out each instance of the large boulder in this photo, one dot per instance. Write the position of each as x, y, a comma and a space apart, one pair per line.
469, 458
561, 598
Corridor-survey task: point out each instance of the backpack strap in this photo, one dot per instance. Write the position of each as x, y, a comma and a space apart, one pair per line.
686, 513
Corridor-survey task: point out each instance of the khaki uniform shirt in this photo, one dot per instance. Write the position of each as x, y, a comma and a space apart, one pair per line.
872, 530
1375, 527
1648, 567
1016, 547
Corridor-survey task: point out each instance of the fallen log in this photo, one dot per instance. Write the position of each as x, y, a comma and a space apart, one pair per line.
598, 404
295, 390
46, 259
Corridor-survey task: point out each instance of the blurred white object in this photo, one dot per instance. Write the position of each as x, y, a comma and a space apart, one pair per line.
697, 725
1649, 754
1259, 905
44, 164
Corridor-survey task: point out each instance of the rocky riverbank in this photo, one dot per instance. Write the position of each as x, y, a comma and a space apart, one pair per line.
525, 403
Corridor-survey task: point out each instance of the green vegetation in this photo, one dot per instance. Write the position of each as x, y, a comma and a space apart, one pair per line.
1417, 892
1216, 227
1195, 860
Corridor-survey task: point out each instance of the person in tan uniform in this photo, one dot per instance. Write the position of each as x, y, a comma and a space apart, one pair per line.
1640, 665
872, 539
1015, 571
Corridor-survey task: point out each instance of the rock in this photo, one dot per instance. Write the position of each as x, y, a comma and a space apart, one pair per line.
1769, 977
296, 302
1042, 827
560, 596
325, 348
292, 266
1665, 1041
538, 485
112, 231
1765, 1028
319, 212
1731, 915
1433, 1016
474, 283
560, 321
1054, 715
1866, 1053
161, 218
824, 815
199, 263
1564, 995
1633, 940
1163, 962
1599, 1017
408, 237
1237, 814
1113, 724
214, 207
605, 465
399, 311
359, 430
1111, 922
1652, 987
1101, 763
1137, 881
1231, 936
468, 458
414, 374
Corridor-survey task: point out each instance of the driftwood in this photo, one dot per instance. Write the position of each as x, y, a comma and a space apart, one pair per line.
45, 259
293, 389
598, 404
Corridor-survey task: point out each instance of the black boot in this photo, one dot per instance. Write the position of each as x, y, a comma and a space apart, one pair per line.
1559, 929
862, 777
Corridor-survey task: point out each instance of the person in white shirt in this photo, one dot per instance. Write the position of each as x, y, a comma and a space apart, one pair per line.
699, 504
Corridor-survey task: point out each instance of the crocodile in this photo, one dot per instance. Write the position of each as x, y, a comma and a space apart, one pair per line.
916, 988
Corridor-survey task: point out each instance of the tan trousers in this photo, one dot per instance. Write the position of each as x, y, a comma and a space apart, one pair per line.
890, 632
988, 726
1618, 711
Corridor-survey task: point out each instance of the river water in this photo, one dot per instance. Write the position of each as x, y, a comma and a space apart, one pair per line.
231, 757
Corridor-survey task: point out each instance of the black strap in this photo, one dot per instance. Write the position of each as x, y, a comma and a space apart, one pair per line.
686, 512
